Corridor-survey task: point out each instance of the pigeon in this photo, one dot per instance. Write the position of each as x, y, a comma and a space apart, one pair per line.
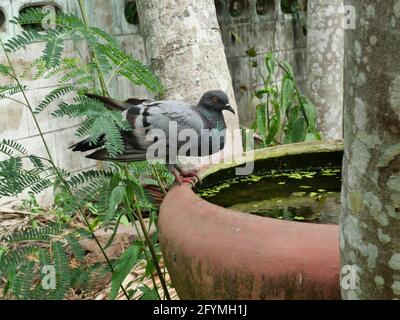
204, 122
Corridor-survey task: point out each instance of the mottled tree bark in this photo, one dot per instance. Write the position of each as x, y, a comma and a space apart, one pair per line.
185, 49
325, 56
370, 221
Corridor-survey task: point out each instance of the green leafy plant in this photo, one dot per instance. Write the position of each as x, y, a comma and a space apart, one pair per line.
284, 115
24, 264
99, 198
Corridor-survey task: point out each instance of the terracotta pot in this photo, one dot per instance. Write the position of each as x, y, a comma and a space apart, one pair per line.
215, 253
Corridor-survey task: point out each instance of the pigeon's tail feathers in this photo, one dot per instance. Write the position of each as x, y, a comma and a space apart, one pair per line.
128, 155
115, 104
108, 102
135, 146
86, 145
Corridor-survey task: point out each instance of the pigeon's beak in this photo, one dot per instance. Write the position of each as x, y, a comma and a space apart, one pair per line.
229, 108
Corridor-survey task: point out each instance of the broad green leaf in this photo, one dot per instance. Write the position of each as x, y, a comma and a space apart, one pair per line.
154, 238
117, 196
288, 69
311, 137
2, 250
125, 221
261, 119
270, 62
12, 272
311, 113
124, 265
286, 92
114, 181
148, 294
114, 233
273, 130
297, 132
150, 268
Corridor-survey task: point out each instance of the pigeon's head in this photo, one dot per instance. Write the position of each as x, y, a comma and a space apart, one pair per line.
217, 100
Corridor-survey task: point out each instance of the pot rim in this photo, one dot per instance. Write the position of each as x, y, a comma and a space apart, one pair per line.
326, 146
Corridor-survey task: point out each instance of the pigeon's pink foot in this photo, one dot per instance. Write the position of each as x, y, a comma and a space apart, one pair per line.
182, 176
191, 180
190, 176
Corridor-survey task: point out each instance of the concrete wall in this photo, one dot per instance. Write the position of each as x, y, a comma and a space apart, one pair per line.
273, 30
16, 122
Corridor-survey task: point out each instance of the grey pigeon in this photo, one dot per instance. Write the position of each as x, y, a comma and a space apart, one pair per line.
145, 115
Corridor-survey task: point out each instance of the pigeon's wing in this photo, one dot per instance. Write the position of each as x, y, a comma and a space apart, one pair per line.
162, 122
164, 115
154, 122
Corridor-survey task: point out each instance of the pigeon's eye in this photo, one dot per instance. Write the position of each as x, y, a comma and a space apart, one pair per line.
215, 99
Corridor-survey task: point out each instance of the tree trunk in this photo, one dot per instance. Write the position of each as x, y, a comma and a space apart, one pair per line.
185, 49
325, 64
370, 221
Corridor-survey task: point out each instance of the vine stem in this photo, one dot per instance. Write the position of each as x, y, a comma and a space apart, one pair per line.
99, 71
302, 108
158, 178
152, 251
129, 213
140, 217
51, 161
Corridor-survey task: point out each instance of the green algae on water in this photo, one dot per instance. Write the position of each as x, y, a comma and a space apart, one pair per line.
305, 196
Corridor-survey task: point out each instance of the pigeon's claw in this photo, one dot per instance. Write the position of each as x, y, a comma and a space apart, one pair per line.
191, 174
191, 180
182, 176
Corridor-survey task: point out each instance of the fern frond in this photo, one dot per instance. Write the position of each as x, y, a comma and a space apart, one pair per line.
54, 48
44, 257
70, 22
65, 65
41, 185
29, 16
87, 176
83, 107
99, 122
39, 64
22, 40
104, 36
77, 76
11, 146
52, 96
37, 162
10, 89
76, 248
36, 234
85, 127
60, 261
17, 257
9, 176
130, 68
23, 282
112, 135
